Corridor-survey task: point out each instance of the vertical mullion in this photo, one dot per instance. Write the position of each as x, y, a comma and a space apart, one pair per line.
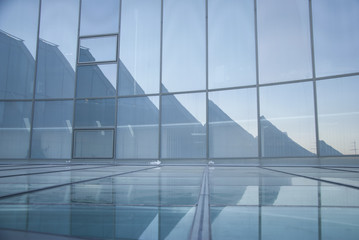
314, 78
207, 110
160, 89
34, 83
259, 139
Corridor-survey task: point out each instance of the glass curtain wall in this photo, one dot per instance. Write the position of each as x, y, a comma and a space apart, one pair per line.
170, 79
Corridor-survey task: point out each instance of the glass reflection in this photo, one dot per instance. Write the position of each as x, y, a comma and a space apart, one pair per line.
140, 47
336, 36
287, 120
52, 130
57, 49
18, 39
233, 127
95, 113
289, 223
338, 116
15, 124
183, 132
137, 127
284, 51
184, 45
96, 80
231, 43
98, 49
93, 144
99, 17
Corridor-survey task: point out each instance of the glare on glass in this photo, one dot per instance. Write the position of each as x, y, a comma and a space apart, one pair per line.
336, 36
137, 127
93, 144
96, 80
338, 116
183, 131
98, 49
139, 68
18, 39
52, 130
56, 60
231, 43
287, 120
99, 17
284, 50
184, 45
15, 124
233, 123
95, 113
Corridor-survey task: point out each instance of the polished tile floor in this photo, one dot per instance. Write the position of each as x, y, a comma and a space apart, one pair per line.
178, 202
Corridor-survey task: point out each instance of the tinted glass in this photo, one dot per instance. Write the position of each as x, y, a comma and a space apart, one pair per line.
15, 124
184, 45
284, 51
231, 43
137, 131
98, 49
96, 80
183, 133
338, 116
52, 130
287, 120
57, 49
18, 39
336, 36
95, 113
93, 144
140, 47
233, 127
99, 17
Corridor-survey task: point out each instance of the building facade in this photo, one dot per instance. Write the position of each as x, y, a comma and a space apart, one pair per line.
189, 79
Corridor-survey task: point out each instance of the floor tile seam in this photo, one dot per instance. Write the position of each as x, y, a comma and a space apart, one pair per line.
313, 178
39, 173
71, 183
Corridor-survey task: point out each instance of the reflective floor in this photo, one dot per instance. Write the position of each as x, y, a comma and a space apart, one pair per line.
178, 202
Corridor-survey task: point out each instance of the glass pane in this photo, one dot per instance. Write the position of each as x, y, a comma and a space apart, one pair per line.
56, 59
234, 222
340, 223
183, 133
18, 39
295, 223
138, 131
98, 49
284, 51
52, 129
93, 144
287, 120
96, 80
338, 116
140, 47
95, 113
233, 128
231, 43
184, 45
336, 36
99, 17
15, 124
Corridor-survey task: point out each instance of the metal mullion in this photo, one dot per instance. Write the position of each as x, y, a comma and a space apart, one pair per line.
96, 98
259, 139
96, 62
114, 140
34, 84
160, 88
207, 79
99, 35
314, 79
75, 88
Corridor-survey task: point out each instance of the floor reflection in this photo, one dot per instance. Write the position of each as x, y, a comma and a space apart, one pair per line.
161, 202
